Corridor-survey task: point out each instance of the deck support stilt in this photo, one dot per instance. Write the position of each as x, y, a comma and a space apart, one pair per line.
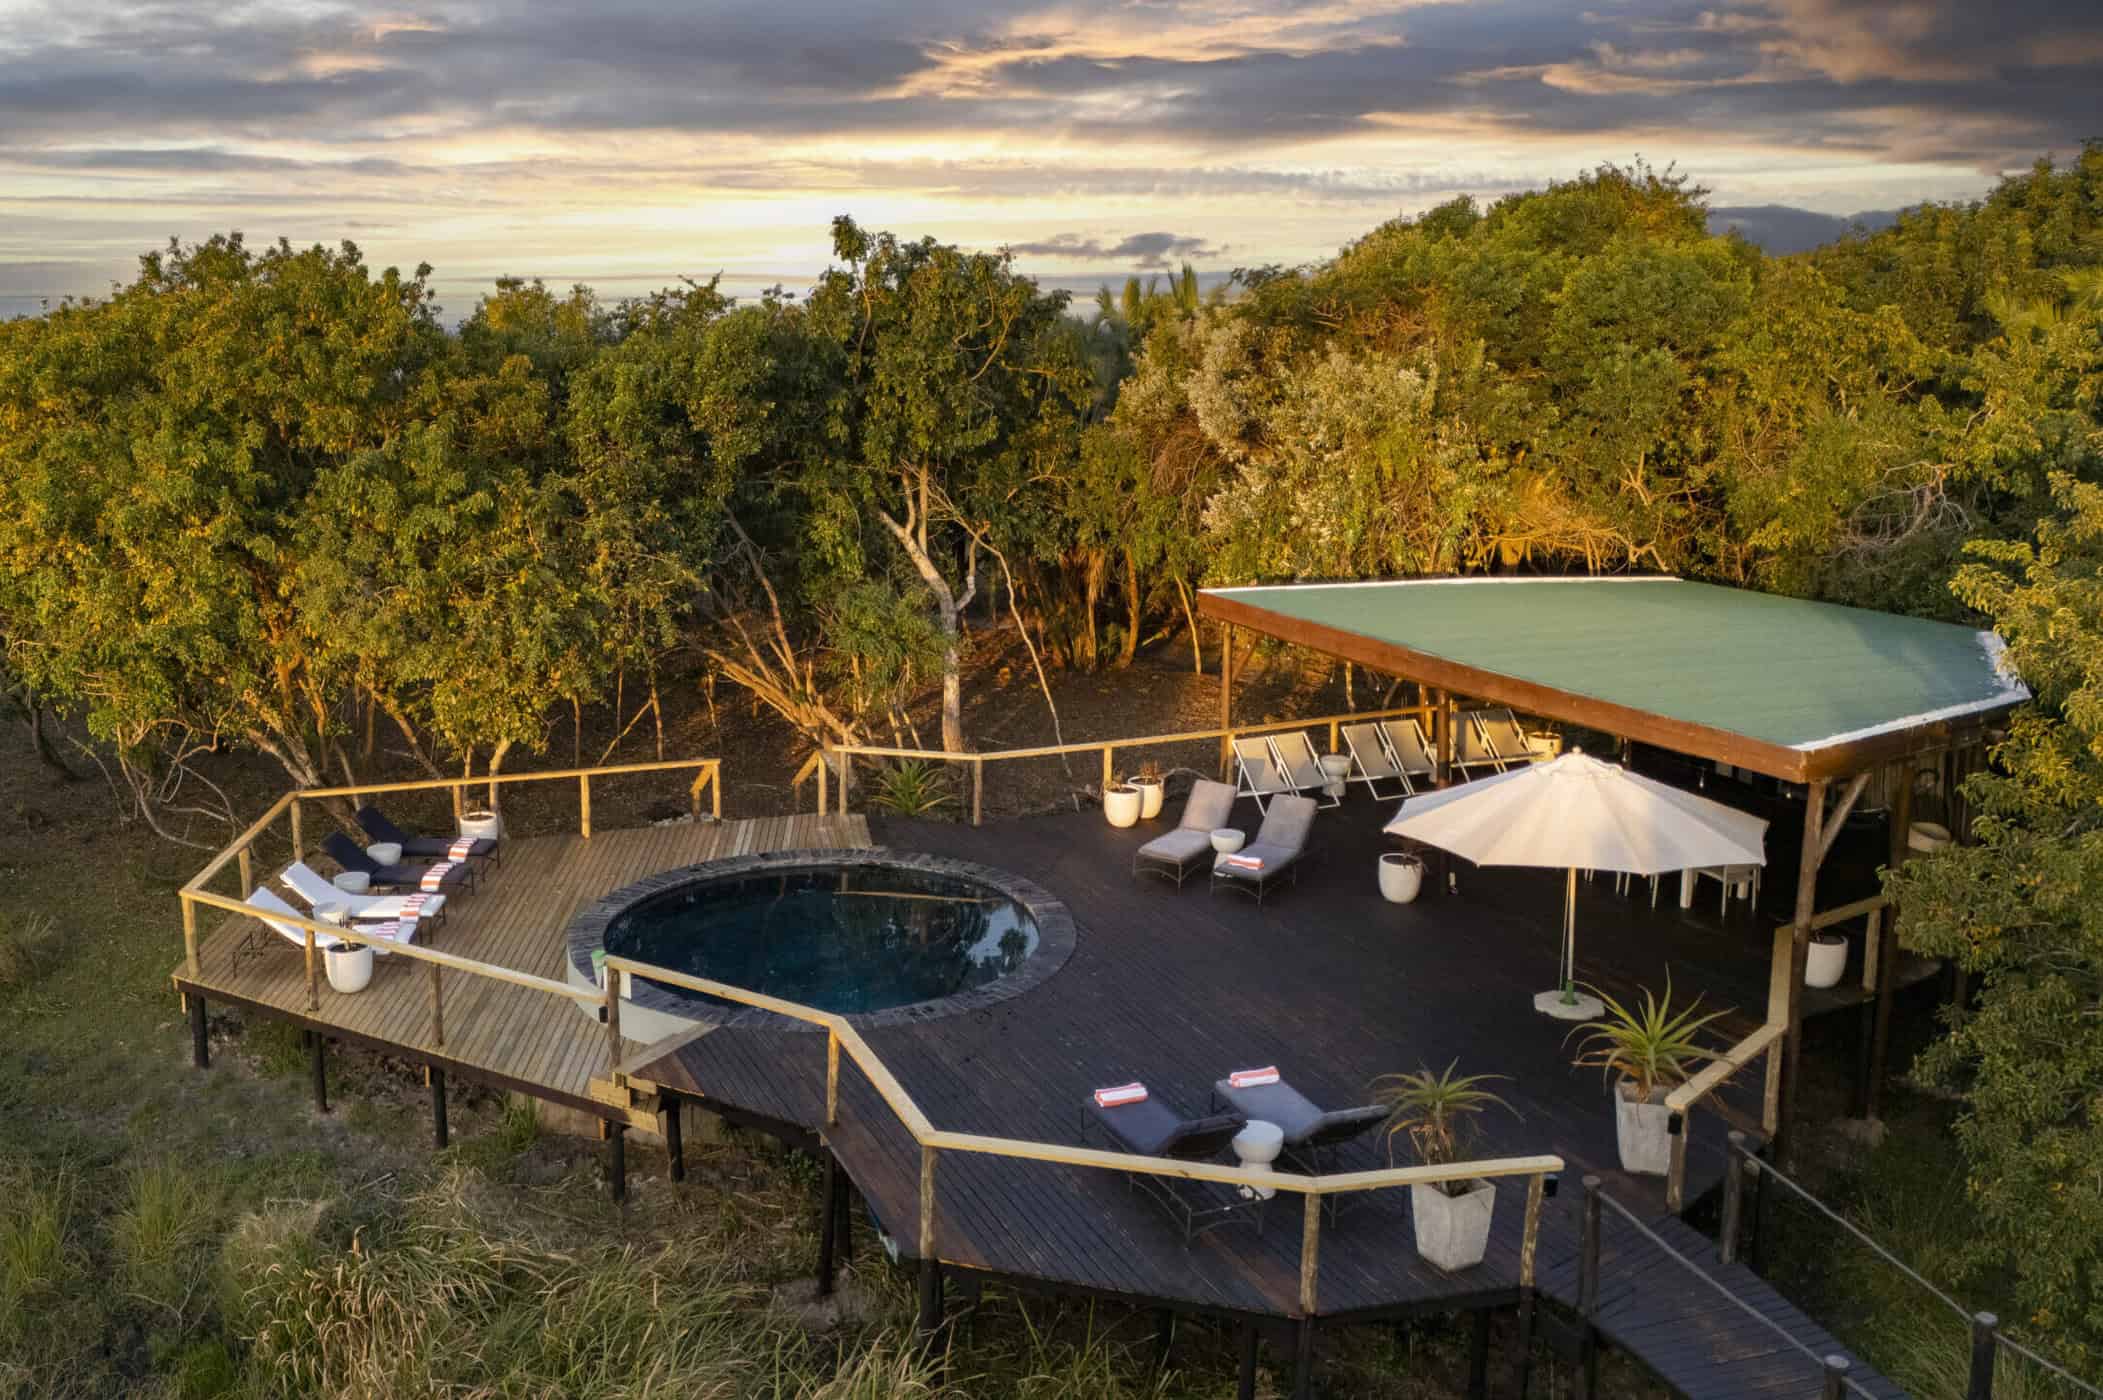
1164, 1336
674, 1136
617, 1160
1303, 1361
1479, 1356
828, 1225
1245, 1387
318, 1057
930, 1319
1522, 1361
440, 1132
200, 1043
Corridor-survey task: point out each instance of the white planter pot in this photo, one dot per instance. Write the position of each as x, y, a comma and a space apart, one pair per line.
350, 969
1121, 805
1453, 1231
1150, 794
1401, 877
1927, 837
1640, 1131
385, 852
1825, 961
482, 825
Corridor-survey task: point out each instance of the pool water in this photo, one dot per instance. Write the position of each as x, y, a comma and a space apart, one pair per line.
848, 939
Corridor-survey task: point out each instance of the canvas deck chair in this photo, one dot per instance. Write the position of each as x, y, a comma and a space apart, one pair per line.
1256, 770
1372, 761
1294, 754
1411, 750
1507, 738
1472, 749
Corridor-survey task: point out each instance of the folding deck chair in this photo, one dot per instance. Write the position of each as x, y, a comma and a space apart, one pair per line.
1293, 753
1372, 761
1412, 751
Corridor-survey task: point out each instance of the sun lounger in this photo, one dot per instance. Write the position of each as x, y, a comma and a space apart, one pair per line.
1274, 854
309, 884
1411, 750
1372, 761
265, 904
1294, 755
1507, 739
1256, 770
1176, 853
1149, 1128
449, 875
1311, 1135
1472, 748
376, 825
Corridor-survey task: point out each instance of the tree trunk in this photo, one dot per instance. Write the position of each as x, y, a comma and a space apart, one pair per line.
952, 684
1131, 644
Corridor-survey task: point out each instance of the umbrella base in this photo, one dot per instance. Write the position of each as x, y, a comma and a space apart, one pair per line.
1585, 1008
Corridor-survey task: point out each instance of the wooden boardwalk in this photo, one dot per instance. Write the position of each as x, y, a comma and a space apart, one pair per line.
494, 1031
1335, 986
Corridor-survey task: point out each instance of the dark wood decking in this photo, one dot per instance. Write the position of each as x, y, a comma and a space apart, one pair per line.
509, 1035
1335, 986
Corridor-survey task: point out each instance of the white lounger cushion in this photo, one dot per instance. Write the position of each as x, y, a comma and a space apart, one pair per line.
309, 884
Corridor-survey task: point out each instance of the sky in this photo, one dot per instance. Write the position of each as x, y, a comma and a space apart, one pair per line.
628, 143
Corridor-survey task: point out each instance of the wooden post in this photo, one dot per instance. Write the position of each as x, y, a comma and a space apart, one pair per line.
584, 805
439, 1129
617, 1160
1676, 1163
1529, 1247
1834, 1385
190, 936
927, 1203
1799, 950
715, 790
1303, 1361
318, 1058
1733, 1197
832, 1077
248, 873
458, 806
674, 1134
828, 1225
1771, 1095
1442, 721
200, 1037
1108, 776
1479, 1356
978, 790
1245, 1383
824, 755
1226, 701
930, 1319
1310, 1254
313, 975
1985, 1341
299, 845
1588, 1293
437, 1007
612, 1014
1888, 963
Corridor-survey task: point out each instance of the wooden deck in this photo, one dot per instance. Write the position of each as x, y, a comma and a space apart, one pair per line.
503, 1034
1177, 987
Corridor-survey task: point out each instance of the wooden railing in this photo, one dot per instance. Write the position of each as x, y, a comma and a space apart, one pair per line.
1108, 748
240, 851
1768, 1041
841, 1036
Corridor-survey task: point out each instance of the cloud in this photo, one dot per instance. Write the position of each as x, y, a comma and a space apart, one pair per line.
1142, 250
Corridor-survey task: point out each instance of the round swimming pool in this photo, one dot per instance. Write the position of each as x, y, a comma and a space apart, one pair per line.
876, 935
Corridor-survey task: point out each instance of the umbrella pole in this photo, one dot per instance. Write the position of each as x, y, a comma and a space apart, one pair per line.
1570, 940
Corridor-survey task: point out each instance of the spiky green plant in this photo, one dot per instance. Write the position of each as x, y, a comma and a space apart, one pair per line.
1436, 1111
911, 787
1649, 1046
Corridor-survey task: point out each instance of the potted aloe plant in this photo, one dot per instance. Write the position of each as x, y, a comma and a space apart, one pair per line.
1121, 804
1151, 782
1437, 1112
1647, 1051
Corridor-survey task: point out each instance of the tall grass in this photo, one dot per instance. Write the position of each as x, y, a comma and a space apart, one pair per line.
167, 1217
36, 1238
27, 943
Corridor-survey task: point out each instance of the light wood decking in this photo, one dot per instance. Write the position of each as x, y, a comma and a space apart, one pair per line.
495, 1031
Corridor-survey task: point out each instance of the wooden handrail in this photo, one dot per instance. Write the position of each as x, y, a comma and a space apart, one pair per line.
1844, 912
1766, 1040
1137, 741
350, 933
534, 776
924, 1133
240, 843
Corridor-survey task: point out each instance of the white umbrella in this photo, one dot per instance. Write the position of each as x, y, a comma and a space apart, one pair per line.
1576, 813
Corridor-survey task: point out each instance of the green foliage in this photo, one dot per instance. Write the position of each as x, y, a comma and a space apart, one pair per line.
1436, 1111
911, 787
2018, 910
37, 1264
27, 942
167, 1215
1653, 1046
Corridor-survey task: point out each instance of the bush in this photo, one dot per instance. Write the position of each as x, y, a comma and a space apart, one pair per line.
911, 787
26, 945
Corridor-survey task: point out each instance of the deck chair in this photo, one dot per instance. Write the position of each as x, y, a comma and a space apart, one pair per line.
1411, 750
1294, 754
380, 828
1256, 770
1372, 761
402, 875
314, 887
1507, 739
265, 904
1472, 748
1274, 854
1176, 853
1148, 1128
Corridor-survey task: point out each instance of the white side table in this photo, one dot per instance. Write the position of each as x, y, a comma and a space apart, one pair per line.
1258, 1145
1335, 767
1227, 840
353, 881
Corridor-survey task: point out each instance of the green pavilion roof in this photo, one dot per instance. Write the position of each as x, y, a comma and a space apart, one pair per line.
1781, 685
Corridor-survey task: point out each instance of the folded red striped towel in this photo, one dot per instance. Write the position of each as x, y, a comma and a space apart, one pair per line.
1246, 862
412, 904
1250, 1078
435, 876
1135, 1092
394, 930
461, 849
